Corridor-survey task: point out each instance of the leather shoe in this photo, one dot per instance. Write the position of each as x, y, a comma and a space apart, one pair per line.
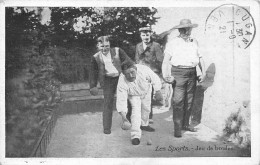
106, 131
177, 134
177, 130
135, 141
188, 128
147, 128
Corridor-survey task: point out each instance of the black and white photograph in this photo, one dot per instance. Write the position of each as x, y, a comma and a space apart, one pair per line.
158, 82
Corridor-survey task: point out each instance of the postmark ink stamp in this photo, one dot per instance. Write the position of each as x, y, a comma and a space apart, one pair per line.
233, 23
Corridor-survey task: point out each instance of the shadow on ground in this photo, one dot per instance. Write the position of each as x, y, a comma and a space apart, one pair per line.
199, 95
81, 135
75, 107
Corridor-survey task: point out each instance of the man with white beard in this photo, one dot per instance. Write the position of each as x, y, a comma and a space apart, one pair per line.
179, 68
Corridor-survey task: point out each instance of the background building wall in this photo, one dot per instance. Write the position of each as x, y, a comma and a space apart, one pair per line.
228, 65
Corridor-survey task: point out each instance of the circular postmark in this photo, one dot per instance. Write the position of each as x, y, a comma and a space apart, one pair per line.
232, 23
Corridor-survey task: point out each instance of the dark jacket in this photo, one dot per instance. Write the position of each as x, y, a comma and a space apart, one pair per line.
152, 56
97, 66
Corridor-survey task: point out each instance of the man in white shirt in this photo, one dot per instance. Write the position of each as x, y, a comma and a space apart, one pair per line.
135, 84
179, 68
105, 67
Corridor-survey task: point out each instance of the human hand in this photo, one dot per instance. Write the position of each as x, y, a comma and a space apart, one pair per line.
158, 96
126, 125
169, 79
123, 115
94, 91
201, 78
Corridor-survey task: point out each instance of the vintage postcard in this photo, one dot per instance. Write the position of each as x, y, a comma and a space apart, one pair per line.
130, 82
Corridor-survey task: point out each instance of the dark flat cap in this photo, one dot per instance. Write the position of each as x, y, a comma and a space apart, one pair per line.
147, 29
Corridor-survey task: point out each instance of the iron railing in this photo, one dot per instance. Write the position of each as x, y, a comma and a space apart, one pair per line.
41, 146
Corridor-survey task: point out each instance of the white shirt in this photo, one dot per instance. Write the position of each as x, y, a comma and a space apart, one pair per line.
109, 67
144, 45
182, 53
145, 77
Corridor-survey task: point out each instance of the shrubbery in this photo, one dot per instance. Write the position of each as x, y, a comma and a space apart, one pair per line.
237, 129
30, 100
72, 65
16, 60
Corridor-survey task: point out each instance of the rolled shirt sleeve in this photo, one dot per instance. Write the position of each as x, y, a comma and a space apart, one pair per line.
155, 80
198, 48
122, 95
166, 65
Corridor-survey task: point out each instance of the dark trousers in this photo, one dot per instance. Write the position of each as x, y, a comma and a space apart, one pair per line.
151, 113
183, 94
109, 90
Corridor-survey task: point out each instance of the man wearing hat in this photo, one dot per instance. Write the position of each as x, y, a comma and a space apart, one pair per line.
149, 53
179, 68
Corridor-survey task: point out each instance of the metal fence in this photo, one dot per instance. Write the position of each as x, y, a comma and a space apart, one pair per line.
41, 145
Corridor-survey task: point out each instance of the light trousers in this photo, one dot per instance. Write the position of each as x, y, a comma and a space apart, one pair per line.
141, 108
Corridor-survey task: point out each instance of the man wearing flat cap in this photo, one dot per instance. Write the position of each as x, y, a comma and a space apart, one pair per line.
149, 53
179, 68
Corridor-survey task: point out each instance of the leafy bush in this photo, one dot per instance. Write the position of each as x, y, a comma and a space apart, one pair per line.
72, 65
16, 60
30, 100
237, 129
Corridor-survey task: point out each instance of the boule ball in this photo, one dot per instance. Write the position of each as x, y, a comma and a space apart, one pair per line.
126, 125
149, 142
94, 91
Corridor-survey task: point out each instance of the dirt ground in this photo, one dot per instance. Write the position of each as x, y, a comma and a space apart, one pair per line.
81, 135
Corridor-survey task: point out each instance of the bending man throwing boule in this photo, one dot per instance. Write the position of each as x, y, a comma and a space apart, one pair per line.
135, 84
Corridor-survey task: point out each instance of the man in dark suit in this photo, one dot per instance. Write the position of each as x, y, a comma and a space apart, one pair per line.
106, 67
149, 53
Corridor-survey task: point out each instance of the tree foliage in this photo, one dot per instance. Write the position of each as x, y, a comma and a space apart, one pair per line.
121, 23
22, 30
63, 21
24, 27
124, 23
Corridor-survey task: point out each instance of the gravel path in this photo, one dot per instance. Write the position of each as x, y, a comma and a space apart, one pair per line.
81, 135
